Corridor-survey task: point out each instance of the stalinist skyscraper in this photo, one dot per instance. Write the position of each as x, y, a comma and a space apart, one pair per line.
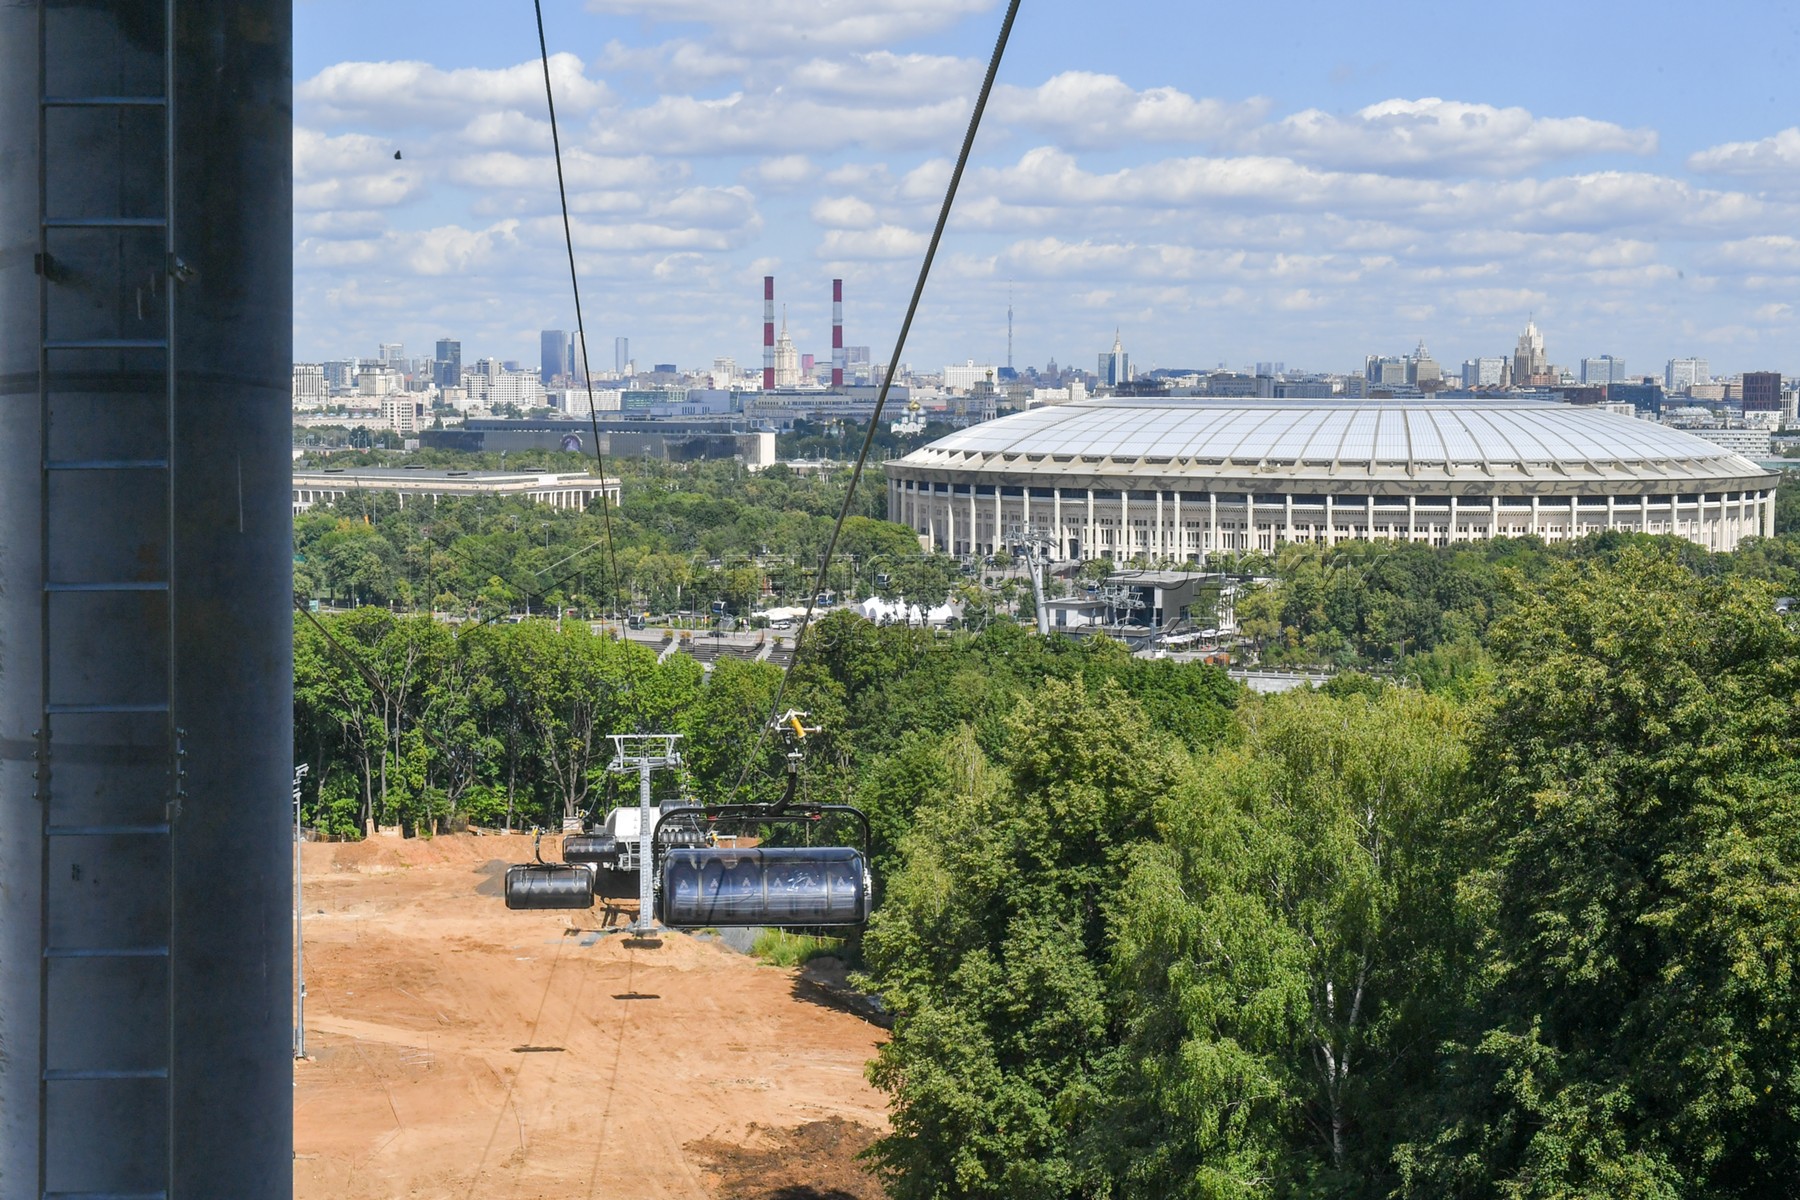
787, 358
1528, 358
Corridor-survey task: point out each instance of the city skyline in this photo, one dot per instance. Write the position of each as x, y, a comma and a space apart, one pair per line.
1314, 196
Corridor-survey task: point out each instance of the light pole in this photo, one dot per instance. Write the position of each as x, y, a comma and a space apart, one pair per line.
299, 951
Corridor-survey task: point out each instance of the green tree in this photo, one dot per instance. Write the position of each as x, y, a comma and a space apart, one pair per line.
990, 947
1637, 1034
1282, 952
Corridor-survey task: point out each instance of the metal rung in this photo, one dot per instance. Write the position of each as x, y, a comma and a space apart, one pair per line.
104, 102
78, 1076
109, 344
78, 710
106, 952
105, 223
157, 830
107, 464
111, 585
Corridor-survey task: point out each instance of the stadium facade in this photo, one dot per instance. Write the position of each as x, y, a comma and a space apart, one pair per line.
1182, 479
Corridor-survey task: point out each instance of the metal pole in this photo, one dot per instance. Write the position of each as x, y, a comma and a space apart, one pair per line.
299, 952
646, 840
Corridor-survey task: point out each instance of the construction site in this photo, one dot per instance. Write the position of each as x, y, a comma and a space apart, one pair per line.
456, 1048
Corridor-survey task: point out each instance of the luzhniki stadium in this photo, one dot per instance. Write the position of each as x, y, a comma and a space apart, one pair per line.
1181, 479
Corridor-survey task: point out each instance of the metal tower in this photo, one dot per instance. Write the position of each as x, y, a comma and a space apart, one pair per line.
643, 754
145, 564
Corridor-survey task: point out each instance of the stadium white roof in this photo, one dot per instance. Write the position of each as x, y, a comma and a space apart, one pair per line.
1486, 440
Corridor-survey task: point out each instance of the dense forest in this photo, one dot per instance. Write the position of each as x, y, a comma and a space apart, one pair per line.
1511, 911
1531, 935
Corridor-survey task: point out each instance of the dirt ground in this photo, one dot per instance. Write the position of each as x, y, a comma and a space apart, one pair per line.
456, 1049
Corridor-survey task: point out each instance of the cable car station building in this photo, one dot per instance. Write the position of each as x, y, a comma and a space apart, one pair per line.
1182, 479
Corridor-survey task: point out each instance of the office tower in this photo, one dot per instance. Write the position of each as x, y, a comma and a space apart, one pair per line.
392, 353
553, 355
447, 364
621, 355
1683, 373
578, 359
1115, 365
1762, 391
1484, 372
1604, 369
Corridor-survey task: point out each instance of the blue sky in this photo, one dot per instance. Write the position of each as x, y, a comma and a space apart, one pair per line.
1304, 182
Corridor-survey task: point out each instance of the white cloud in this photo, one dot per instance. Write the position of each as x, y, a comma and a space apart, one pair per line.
927, 181
844, 212
887, 241
887, 77
445, 250
1086, 110
1772, 161
707, 208
783, 171
742, 123
1436, 136
1769, 252
633, 236
341, 224
507, 130
1302, 300
415, 93
350, 171
781, 24
581, 170
675, 64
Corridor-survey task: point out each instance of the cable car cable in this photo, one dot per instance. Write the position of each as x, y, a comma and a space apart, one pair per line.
562, 194
862, 456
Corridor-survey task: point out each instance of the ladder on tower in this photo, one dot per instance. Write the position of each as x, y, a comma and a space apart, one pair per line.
108, 775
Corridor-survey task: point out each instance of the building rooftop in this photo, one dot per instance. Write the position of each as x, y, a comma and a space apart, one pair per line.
1491, 438
381, 476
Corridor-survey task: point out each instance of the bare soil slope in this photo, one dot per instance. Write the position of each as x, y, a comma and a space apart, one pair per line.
458, 1049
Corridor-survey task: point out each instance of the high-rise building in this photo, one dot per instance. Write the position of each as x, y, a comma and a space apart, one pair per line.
963, 376
340, 373
1604, 369
621, 355
1683, 373
1483, 372
1762, 391
1422, 371
1115, 365
1385, 369
447, 365
310, 388
553, 355
787, 358
1529, 359
392, 353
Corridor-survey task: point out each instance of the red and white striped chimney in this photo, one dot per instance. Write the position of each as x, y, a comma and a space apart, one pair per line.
768, 333
837, 333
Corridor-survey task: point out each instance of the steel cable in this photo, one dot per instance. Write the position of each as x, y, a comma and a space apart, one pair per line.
912, 308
